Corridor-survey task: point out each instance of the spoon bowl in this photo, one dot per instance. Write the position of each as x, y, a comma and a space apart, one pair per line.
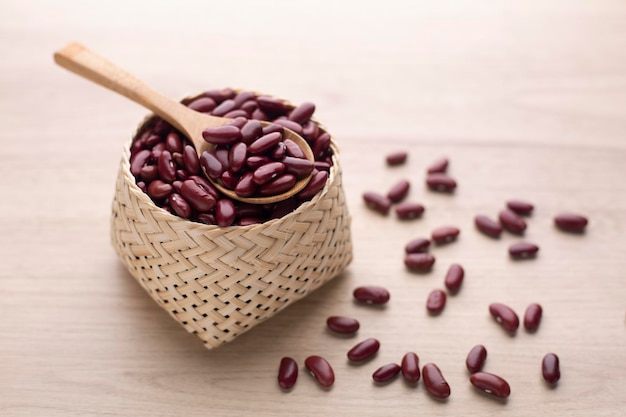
86, 63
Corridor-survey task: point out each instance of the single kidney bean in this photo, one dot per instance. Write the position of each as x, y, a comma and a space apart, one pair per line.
271, 105
166, 167
278, 152
259, 114
396, 158
255, 161
221, 135
417, 245
266, 173
196, 196
287, 373
523, 250
235, 114
293, 126
321, 370
512, 222
386, 372
454, 278
302, 113
237, 156
230, 179
520, 207
206, 218
278, 185
399, 191
249, 107
179, 206
205, 185
420, 262
491, 384
177, 185
222, 155
224, 107
203, 104
272, 129
316, 183
409, 210
445, 234
264, 143
173, 142
439, 166
149, 172
238, 121
377, 202
243, 96
297, 166
225, 212
371, 294
343, 325
476, 359
321, 145
246, 186
251, 131
211, 165
411, 367
550, 368
488, 226
440, 182
293, 149
158, 189
505, 316
570, 222
364, 350
435, 383
436, 301
190, 160
532, 317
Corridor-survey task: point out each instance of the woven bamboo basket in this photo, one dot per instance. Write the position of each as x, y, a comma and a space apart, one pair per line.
219, 282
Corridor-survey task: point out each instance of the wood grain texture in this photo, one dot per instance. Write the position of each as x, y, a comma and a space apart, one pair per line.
526, 98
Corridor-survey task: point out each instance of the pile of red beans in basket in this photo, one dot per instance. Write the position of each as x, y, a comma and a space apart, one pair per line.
417, 259
167, 168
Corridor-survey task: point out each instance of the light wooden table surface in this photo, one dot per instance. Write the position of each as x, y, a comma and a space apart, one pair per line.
526, 97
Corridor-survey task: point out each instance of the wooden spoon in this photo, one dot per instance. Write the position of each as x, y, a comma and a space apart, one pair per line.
86, 63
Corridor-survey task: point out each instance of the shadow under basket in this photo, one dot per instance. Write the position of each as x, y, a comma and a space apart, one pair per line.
219, 282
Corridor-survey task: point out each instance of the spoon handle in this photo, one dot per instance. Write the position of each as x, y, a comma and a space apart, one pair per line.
86, 63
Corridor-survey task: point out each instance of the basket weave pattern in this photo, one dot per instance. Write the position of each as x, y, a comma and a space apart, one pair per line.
220, 282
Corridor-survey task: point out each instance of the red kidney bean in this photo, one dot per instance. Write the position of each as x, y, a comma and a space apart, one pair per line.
196, 196
435, 383
512, 222
287, 373
476, 359
439, 166
138, 161
178, 159
205, 185
302, 113
259, 114
550, 368
202, 104
505, 316
454, 278
246, 186
445, 234
224, 107
322, 166
179, 206
173, 142
243, 96
264, 143
249, 106
371, 294
230, 179
278, 185
158, 189
251, 131
386, 372
523, 250
278, 152
238, 122
343, 325
321, 145
520, 207
310, 131
297, 166
532, 317
190, 160
488, 226
321, 370
377, 202
271, 105
255, 161
440, 182
436, 301
491, 384
411, 367
420, 262
316, 183
222, 155
211, 165
206, 218
220, 95
272, 129
396, 158
166, 167
267, 172
364, 350
417, 245
181, 174
399, 191
408, 210
142, 186
570, 222
221, 135
233, 114
293, 126
225, 212
177, 185
149, 173
153, 140
293, 149
237, 156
